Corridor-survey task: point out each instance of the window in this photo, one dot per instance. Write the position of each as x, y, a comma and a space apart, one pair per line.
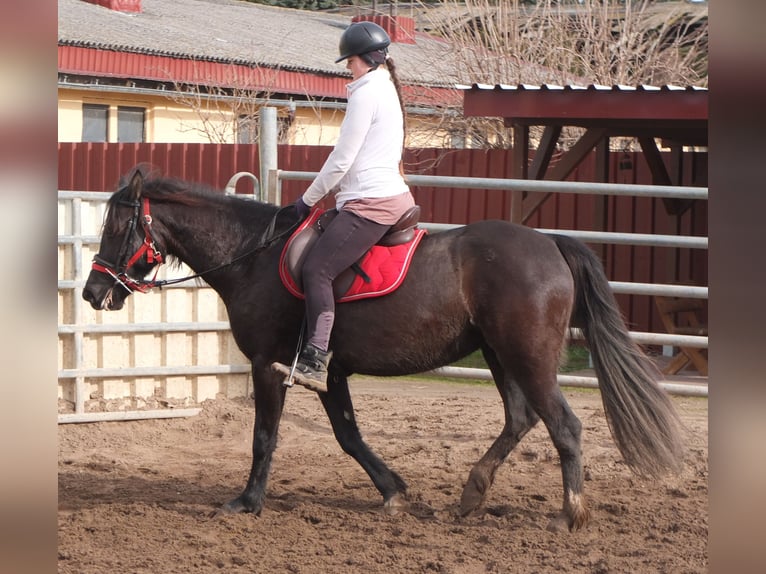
130, 124
95, 123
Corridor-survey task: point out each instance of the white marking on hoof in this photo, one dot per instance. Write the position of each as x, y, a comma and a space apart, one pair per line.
393, 505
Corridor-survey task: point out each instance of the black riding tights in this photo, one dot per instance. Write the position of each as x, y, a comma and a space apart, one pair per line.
345, 240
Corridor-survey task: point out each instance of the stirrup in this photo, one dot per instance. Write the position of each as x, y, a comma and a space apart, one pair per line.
296, 376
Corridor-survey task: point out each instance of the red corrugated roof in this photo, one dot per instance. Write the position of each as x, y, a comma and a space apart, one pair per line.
112, 64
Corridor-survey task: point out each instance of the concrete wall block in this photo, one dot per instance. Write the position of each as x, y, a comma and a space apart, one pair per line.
65, 353
145, 387
92, 217
65, 262
88, 252
66, 307
178, 305
116, 389
114, 351
148, 309
179, 388
177, 349
66, 390
90, 351
120, 317
146, 349
209, 349
235, 386
210, 308
64, 217
207, 387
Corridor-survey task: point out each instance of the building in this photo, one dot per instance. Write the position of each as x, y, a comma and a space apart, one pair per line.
198, 71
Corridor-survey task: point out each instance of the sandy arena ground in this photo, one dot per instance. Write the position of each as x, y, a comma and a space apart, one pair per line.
135, 497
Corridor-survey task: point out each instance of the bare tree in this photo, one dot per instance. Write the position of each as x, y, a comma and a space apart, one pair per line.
226, 109
606, 42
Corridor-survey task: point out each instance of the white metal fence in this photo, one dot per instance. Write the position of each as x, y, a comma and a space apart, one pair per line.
169, 350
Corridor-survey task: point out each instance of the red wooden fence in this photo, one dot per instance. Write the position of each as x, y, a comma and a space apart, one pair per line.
98, 167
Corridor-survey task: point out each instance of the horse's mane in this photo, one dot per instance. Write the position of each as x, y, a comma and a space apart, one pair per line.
174, 190
247, 214
168, 190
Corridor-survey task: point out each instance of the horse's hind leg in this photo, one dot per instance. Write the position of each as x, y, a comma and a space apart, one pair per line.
340, 410
564, 428
531, 393
519, 419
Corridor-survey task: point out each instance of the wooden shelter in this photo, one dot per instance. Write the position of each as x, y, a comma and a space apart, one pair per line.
678, 117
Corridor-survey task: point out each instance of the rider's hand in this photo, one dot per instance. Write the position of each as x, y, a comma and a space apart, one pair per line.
301, 209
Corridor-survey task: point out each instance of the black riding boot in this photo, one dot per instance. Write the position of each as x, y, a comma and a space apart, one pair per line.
311, 370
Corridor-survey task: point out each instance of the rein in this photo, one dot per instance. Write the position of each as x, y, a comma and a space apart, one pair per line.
119, 272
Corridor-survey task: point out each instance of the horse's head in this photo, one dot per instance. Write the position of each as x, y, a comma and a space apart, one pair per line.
127, 252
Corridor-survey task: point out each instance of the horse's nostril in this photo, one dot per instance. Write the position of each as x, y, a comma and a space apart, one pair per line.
91, 298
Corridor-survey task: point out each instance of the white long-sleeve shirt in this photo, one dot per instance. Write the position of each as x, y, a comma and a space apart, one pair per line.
365, 160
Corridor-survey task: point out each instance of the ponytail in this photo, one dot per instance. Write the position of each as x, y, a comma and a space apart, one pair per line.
395, 79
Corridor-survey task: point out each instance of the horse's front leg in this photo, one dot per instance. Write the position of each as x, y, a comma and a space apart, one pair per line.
340, 410
269, 403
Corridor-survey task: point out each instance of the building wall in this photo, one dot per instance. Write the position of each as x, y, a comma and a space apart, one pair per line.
191, 120
166, 121
313, 126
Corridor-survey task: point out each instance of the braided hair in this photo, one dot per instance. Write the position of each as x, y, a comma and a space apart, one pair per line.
395, 79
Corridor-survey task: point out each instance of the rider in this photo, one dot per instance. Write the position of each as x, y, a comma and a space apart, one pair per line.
364, 172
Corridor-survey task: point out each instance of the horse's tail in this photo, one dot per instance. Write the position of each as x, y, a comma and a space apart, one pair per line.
640, 415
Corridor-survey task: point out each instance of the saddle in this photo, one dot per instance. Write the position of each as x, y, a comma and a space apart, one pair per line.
401, 233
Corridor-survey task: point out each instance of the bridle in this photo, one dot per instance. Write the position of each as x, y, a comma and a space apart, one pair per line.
119, 270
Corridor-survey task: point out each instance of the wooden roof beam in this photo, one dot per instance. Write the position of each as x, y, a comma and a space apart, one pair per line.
566, 165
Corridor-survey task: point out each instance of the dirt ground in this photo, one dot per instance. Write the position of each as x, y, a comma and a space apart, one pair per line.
135, 497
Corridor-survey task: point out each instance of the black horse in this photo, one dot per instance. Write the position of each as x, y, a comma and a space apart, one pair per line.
503, 288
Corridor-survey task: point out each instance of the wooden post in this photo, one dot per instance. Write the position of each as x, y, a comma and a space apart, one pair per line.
519, 169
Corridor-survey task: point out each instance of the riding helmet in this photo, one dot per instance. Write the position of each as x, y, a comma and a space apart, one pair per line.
360, 38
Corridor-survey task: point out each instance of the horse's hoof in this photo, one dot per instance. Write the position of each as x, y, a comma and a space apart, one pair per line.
395, 504
472, 497
564, 523
235, 506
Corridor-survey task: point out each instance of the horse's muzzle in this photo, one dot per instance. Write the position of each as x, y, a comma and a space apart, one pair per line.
102, 295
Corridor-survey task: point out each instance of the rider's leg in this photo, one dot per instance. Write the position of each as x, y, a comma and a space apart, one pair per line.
344, 242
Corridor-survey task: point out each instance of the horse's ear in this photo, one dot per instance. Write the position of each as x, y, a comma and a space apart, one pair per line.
136, 185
